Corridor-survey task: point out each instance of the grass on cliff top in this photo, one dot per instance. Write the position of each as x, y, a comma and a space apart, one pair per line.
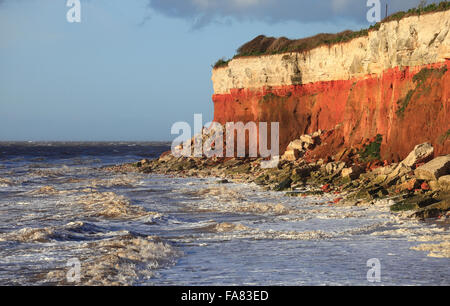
221, 63
263, 45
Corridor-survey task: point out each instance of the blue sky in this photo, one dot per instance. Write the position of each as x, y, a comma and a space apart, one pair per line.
132, 68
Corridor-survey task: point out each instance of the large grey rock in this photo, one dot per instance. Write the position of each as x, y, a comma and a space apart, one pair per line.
434, 169
386, 170
422, 152
396, 174
444, 182
334, 168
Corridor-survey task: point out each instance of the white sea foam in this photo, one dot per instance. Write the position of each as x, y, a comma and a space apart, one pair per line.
124, 227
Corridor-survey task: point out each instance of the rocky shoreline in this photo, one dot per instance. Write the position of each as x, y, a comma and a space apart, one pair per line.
418, 186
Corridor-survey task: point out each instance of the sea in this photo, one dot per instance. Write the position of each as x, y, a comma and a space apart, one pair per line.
64, 220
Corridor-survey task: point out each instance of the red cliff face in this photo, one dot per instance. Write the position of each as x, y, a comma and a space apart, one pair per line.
407, 106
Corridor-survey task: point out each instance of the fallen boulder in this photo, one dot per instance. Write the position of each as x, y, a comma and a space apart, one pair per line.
444, 182
353, 172
396, 174
291, 155
421, 153
385, 170
434, 169
334, 168
434, 185
307, 139
433, 211
295, 145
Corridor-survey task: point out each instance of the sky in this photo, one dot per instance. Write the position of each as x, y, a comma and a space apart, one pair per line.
132, 68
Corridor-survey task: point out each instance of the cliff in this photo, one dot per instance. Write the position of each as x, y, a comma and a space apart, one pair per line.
392, 82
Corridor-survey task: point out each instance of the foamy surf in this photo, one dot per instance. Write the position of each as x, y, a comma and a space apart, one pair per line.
144, 229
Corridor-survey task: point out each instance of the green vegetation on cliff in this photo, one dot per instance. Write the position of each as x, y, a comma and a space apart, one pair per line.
419, 79
221, 63
444, 137
263, 45
372, 151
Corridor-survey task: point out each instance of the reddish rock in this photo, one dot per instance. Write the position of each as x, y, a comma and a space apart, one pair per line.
337, 200
409, 185
326, 188
425, 186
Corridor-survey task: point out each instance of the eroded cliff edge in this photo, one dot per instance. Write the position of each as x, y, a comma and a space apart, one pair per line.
393, 83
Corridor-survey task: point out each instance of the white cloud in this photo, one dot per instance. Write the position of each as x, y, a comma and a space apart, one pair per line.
204, 11
340, 5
